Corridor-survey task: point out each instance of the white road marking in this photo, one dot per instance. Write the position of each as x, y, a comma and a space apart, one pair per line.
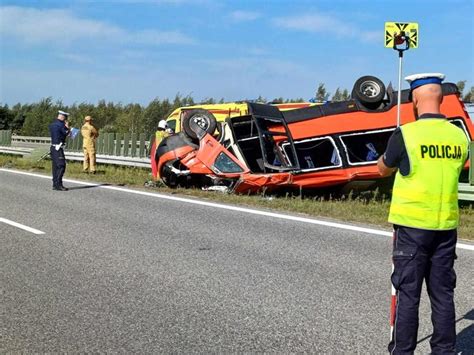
21, 226
234, 208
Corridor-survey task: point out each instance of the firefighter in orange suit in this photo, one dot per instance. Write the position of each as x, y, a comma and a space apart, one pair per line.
89, 134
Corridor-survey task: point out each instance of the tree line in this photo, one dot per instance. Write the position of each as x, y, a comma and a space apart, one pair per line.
33, 119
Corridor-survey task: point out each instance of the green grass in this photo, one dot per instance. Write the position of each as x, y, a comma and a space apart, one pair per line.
366, 208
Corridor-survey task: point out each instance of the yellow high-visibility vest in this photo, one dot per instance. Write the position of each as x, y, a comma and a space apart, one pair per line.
428, 197
159, 136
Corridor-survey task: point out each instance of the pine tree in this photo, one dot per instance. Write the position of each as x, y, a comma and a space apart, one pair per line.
345, 95
337, 95
461, 85
469, 97
38, 119
321, 93
6, 117
155, 112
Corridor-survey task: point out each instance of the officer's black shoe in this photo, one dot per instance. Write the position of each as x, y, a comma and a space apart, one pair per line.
60, 188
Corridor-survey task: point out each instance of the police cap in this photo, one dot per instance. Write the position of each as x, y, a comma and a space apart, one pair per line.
63, 113
417, 80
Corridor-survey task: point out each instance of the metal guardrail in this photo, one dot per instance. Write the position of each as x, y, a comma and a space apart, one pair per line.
112, 148
116, 144
132, 150
15, 150
30, 139
115, 160
77, 156
466, 192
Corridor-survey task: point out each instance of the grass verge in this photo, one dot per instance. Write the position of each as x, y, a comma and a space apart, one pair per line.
368, 208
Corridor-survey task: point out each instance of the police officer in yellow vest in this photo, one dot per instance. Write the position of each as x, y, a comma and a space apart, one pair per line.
428, 156
89, 136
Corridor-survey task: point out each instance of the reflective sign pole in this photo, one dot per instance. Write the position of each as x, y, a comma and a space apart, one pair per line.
399, 101
401, 37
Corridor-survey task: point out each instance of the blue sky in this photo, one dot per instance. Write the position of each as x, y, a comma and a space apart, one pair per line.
136, 50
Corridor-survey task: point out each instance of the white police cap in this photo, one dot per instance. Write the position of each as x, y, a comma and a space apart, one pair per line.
417, 80
63, 113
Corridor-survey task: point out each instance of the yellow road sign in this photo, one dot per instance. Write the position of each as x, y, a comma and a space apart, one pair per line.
396, 32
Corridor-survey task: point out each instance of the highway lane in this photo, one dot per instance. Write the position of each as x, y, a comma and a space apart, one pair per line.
119, 272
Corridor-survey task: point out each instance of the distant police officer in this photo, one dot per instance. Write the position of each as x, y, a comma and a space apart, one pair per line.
59, 130
429, 155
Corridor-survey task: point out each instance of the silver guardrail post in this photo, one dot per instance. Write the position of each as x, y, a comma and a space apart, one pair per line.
111, 147
100, 144
141, 147
118, 144
5, 138
126, 143
134, 145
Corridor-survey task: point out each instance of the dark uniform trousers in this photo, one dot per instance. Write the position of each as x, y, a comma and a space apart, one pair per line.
424, 255
58, 165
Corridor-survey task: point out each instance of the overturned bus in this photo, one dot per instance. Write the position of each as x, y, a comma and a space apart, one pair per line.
312, 146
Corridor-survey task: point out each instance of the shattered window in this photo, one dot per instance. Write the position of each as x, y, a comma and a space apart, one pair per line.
365, 147
172, 124
225, 164
315, 154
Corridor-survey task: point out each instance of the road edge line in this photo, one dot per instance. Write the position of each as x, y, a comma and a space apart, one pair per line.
234, 208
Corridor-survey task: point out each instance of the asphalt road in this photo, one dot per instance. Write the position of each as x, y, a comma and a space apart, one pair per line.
121, 272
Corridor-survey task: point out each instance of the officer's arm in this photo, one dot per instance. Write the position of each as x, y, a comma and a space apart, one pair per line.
390, 160
66, 128
384, 170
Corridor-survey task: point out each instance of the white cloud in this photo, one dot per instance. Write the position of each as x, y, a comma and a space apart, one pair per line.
325, 23
244, 16
76, 58
36, 26
257, 51
156, 38
233, 79
372, 36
